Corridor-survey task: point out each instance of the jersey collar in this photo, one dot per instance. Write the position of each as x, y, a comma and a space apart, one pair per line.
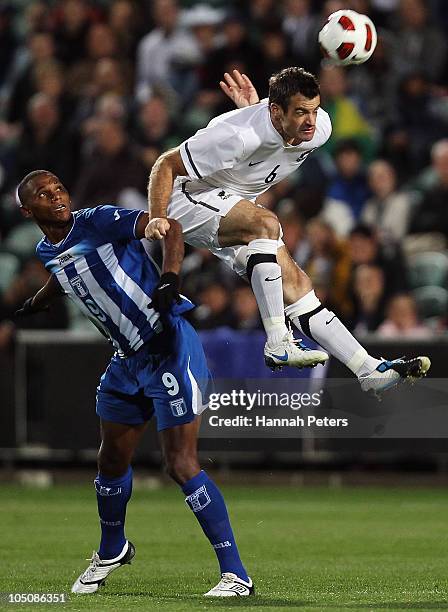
59, 244
278, 139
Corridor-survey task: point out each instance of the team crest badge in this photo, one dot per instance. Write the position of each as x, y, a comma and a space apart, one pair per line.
79, 286
223, 195
199, 499
106, 491
178, 407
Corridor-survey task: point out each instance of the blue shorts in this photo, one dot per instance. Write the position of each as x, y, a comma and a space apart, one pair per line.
174, 385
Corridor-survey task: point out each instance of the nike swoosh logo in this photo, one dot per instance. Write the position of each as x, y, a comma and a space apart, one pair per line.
256, 163
272, 279
281, 357
333, 317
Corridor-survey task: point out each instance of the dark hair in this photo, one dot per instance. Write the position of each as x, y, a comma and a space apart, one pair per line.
289, 82
362, 230
24, 184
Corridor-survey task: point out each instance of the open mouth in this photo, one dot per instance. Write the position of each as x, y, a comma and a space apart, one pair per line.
60, 207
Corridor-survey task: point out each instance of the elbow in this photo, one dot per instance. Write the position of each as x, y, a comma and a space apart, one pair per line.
168, 163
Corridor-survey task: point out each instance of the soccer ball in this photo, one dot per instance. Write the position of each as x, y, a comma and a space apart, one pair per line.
348, 38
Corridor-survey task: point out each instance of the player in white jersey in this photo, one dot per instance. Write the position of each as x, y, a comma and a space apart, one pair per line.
210, 185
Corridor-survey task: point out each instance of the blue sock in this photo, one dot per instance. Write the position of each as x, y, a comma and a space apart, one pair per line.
207, 502
112, 495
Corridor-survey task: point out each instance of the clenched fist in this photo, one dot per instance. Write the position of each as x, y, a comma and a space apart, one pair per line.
157, 228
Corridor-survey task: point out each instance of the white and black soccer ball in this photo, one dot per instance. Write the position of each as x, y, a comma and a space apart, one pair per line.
348, 37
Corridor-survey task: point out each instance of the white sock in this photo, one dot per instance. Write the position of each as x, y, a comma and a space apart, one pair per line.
265, 276
322, 325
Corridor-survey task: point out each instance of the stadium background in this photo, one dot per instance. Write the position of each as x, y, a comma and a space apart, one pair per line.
95, 91
92, 91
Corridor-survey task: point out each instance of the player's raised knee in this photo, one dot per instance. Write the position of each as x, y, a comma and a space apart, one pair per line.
266, 225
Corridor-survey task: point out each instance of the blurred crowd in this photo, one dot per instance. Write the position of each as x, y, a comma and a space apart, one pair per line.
96, 90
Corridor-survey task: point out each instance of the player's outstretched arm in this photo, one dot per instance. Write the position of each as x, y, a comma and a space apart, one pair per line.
173, 248
167, 290
173, 243
160, 185
239, 88
42, 299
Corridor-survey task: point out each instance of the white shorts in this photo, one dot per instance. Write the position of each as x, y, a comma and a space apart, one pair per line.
199, 211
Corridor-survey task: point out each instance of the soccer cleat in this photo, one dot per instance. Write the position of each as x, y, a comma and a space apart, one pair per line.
98, 570
292, 352
231, 586
391, 373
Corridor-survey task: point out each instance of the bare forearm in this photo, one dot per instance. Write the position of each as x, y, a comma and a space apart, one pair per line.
43, 298
160, 186
173, 248
161, 181
172, 244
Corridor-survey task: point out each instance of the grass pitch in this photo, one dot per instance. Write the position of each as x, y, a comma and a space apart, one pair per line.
306, 549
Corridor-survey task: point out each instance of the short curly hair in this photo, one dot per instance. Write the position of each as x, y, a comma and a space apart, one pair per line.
22, 189
289, 82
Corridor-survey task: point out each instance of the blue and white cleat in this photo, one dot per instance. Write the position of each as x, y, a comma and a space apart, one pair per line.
231, 586
99, 569
390, 373
292, 352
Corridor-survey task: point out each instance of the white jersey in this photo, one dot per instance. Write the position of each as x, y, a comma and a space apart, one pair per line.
242, 152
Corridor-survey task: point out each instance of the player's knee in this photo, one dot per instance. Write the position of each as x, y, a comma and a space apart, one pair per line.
181, 467
266, 225
112, 463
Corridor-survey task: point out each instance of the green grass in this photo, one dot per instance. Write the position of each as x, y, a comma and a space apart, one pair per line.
306, 549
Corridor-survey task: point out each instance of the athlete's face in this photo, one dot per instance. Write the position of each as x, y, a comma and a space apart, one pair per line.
47, 201
298, 123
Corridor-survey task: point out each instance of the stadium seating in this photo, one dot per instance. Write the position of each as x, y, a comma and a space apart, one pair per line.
22, 240
430, 268
432, 301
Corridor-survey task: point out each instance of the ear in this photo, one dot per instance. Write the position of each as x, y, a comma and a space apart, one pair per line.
25, 212
276, 110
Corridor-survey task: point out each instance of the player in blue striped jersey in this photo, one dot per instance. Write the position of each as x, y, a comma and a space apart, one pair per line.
108, 276
97, 258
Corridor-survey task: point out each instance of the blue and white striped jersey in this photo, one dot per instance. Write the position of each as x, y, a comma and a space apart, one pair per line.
106, 270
